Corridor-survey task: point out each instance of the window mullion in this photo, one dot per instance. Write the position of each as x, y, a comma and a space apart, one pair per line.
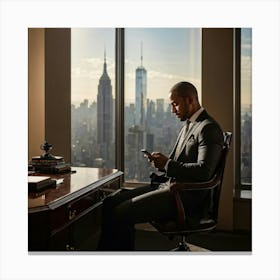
119, 104
237, 108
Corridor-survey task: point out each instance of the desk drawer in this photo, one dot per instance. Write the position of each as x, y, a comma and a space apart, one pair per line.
65, 214
75, 209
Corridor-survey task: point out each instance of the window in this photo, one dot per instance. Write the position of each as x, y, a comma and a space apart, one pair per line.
92, 97
155, 59
246, 107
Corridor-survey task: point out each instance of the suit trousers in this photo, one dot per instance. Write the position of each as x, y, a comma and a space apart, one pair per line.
122, 211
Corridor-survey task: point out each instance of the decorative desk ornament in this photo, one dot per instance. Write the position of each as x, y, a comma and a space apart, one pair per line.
46, 147
47, 163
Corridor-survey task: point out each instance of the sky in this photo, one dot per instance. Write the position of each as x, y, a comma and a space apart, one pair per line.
164, 57
246, 66
169, 55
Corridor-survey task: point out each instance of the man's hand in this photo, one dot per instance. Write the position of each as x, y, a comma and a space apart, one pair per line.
159, 160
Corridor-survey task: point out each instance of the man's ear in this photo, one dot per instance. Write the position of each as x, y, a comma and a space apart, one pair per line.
189, 99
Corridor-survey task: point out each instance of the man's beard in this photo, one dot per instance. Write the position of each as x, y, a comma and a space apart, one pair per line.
184, 118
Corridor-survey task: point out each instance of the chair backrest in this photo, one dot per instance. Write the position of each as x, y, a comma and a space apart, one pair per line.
220, 173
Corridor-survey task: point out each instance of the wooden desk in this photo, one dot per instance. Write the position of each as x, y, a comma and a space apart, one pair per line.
68, 216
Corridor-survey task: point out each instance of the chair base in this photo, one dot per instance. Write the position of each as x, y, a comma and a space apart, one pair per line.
182, 246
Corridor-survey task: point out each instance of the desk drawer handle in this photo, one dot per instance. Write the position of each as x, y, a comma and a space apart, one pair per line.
70, 248
72, 214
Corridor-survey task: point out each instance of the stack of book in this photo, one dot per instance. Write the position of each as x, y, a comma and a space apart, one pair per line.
39, 183
50, 165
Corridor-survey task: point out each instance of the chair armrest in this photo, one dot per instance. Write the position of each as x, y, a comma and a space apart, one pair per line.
158, 177
211, 184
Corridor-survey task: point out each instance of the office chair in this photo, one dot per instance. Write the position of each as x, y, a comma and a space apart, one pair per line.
180, 227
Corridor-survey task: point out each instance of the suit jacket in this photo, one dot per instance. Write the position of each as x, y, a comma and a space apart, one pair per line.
197, 161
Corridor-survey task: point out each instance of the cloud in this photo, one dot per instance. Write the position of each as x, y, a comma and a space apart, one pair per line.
246, 60
151, 74
91, 68
159, 75
87, 72
246, 46
246, 67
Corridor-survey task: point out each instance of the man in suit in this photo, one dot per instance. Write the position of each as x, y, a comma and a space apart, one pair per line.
194, 158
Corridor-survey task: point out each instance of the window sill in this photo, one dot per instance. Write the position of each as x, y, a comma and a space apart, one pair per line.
132, 185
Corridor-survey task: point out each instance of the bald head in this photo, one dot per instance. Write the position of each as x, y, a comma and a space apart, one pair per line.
184, 100
184, 89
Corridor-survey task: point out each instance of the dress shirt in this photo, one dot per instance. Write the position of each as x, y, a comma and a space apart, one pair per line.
195, 115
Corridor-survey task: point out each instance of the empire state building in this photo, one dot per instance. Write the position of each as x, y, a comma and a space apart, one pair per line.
105, 118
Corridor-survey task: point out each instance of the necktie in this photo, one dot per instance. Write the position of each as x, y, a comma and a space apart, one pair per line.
181, 140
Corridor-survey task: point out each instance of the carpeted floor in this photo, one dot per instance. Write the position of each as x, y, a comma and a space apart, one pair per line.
147, 239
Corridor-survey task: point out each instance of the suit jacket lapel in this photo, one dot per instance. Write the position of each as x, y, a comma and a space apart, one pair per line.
189, 133
193, 128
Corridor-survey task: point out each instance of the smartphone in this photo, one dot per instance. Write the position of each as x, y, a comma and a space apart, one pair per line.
145, 152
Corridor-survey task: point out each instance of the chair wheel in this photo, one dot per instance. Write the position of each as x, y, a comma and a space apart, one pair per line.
182, 246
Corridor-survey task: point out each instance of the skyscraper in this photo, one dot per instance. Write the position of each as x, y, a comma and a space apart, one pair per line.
105, 118
136, 137
160, 109
141, 94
